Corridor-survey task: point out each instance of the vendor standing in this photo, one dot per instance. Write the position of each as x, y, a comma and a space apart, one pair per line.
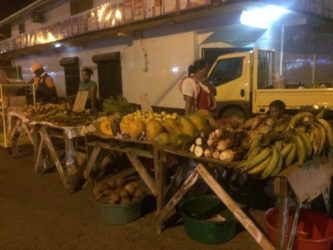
45, 88
87, 84
195, 89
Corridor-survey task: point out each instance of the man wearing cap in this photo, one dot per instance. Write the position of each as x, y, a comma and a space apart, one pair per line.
45, 88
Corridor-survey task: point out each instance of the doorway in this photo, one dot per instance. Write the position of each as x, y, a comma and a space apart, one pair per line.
72, 74
109, 74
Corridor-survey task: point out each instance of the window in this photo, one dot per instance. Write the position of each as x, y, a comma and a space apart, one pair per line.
226, 70
21, 28
78, 6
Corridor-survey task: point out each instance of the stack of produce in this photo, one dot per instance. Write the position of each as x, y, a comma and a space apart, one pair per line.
274, 146
118, 191
118, 104
59, 114
224, 144
170, 130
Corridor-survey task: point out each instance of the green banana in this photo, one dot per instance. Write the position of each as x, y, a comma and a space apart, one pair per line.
272, 163
286, 149
306, 142
261, 166
248, 164
322, 137
254, 152
290, 158
296, 118
301, 151
278, 167
328, 129
278, 145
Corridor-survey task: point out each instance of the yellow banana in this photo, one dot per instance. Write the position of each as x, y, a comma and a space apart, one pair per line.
328, 128
278, 167
301, 151
306, 142
248, 164
272, 163
261, 166
290, 158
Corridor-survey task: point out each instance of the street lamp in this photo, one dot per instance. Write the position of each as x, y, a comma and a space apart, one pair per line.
262, 17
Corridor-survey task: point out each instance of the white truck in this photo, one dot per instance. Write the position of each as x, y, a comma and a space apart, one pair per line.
244, 86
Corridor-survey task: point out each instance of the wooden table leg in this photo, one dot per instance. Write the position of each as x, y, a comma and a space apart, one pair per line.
14, 137
142, 171
247, 223
91, 163
55, 158
169, 209
283, 212
27, 131
160, 172
39, 145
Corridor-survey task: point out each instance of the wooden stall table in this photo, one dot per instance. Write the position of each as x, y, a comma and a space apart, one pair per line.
201, 170
20, 130
133, 150
45, 134
285, 183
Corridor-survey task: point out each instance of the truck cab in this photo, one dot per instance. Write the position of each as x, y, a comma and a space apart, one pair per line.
244, 86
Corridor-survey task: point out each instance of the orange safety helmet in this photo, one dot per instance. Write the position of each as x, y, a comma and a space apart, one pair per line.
35, 66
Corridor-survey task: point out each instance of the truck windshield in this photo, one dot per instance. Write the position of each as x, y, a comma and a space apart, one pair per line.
226, 70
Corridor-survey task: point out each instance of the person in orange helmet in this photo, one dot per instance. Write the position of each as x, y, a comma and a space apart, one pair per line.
45, 88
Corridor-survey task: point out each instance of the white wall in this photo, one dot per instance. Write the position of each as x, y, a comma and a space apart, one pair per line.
158, 74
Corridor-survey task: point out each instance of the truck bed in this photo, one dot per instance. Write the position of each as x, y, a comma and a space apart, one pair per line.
293, 98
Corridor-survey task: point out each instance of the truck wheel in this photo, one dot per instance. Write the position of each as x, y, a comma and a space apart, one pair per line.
233, 113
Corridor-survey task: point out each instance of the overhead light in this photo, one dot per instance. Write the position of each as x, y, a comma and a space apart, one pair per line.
57, 45
262, 17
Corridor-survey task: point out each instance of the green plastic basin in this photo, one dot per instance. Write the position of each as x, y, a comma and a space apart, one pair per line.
118, 214
197, 209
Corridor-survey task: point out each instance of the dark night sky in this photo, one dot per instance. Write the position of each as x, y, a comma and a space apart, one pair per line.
8, 7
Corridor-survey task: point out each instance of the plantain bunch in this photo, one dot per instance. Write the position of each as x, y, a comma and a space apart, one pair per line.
300, 139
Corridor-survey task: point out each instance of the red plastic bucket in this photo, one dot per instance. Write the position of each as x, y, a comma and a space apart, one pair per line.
313, 232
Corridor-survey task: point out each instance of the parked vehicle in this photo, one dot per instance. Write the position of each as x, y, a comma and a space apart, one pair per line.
245, 85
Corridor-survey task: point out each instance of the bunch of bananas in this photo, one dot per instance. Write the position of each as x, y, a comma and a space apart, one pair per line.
297, 140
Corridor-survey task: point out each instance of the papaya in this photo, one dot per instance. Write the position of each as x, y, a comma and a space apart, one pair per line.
187, 127
132, 127
199, 122
172, 126
162, 139
153, 129
177, 140
105, 127
203, 112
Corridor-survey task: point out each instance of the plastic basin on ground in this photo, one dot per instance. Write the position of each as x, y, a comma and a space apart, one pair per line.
194, 208
118, 213
313, 232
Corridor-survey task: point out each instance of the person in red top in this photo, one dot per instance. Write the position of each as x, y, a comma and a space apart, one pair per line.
198, 94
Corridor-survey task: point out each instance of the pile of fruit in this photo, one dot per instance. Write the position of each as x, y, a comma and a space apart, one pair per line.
170, 130
59, 114
275, 146
118, 191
